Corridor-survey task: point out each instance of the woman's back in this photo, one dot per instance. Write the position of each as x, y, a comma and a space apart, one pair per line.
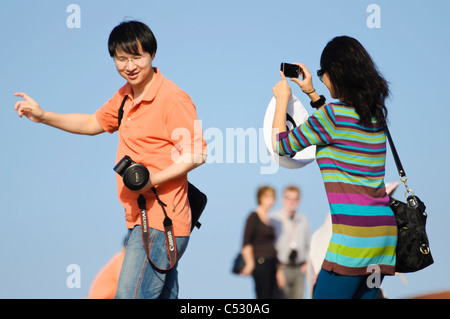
351, 157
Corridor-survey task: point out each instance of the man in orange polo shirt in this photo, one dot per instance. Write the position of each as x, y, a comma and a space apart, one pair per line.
160, 130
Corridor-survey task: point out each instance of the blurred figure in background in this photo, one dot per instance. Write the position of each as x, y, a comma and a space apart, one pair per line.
258, 251
104, 285
292, 242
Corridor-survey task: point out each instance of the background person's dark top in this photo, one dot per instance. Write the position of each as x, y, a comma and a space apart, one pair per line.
260, 236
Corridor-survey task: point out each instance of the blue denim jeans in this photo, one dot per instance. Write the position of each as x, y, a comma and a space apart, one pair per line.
333, 286
138, 278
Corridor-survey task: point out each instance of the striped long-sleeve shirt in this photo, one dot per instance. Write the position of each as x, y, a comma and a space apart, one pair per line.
351, 158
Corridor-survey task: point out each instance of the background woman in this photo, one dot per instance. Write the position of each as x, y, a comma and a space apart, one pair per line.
351, 153
258, 249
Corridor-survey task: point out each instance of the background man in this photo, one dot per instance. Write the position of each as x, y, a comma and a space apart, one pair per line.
292, 242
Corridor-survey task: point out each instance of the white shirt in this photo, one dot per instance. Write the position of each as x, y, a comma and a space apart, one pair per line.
291, 233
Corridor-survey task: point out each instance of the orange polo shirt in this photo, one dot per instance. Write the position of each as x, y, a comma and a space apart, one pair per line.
154, 132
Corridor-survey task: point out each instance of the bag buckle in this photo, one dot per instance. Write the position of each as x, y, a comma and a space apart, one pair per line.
424, 249
408, 190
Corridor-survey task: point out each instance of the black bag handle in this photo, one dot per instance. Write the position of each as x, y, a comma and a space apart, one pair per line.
398, 163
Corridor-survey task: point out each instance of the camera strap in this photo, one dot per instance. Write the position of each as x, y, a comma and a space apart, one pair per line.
120, 112
168, 229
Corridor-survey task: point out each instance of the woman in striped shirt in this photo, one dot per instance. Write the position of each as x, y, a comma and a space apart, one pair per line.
351, 154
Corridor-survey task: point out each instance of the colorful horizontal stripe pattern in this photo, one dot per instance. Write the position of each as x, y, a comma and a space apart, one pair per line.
351, 157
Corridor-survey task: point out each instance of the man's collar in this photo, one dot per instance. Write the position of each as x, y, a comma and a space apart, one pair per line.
296, 217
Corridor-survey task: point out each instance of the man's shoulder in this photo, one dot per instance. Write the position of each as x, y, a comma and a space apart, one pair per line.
171, 90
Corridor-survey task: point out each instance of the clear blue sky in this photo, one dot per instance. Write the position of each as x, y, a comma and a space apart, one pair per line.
58, 195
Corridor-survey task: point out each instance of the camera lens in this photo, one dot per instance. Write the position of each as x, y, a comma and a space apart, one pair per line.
136, 177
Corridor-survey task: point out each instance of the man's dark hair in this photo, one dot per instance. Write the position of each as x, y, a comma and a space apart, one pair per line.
355, 78
129, 36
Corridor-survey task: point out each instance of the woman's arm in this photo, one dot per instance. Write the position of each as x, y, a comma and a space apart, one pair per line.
282, 92
306, 84
317, 130
247, 245
249, 259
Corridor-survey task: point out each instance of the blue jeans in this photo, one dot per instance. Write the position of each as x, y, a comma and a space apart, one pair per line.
138, 278
334, 286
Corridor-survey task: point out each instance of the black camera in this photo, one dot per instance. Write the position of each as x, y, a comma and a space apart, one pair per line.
293, 257
135, 176
291, 70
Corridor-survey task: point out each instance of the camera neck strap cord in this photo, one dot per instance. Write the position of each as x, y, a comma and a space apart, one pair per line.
168, 229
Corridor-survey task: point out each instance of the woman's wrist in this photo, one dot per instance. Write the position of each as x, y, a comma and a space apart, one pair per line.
281, 104
318, 101
282, 100
310, 91
314, 96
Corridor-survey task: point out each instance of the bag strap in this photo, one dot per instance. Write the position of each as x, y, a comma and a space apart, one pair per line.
120, 113
398, 163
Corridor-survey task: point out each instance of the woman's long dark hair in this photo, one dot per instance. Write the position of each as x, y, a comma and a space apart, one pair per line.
355, 78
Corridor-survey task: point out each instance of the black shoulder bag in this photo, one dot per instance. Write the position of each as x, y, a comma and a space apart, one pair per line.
197, 202
413, 250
